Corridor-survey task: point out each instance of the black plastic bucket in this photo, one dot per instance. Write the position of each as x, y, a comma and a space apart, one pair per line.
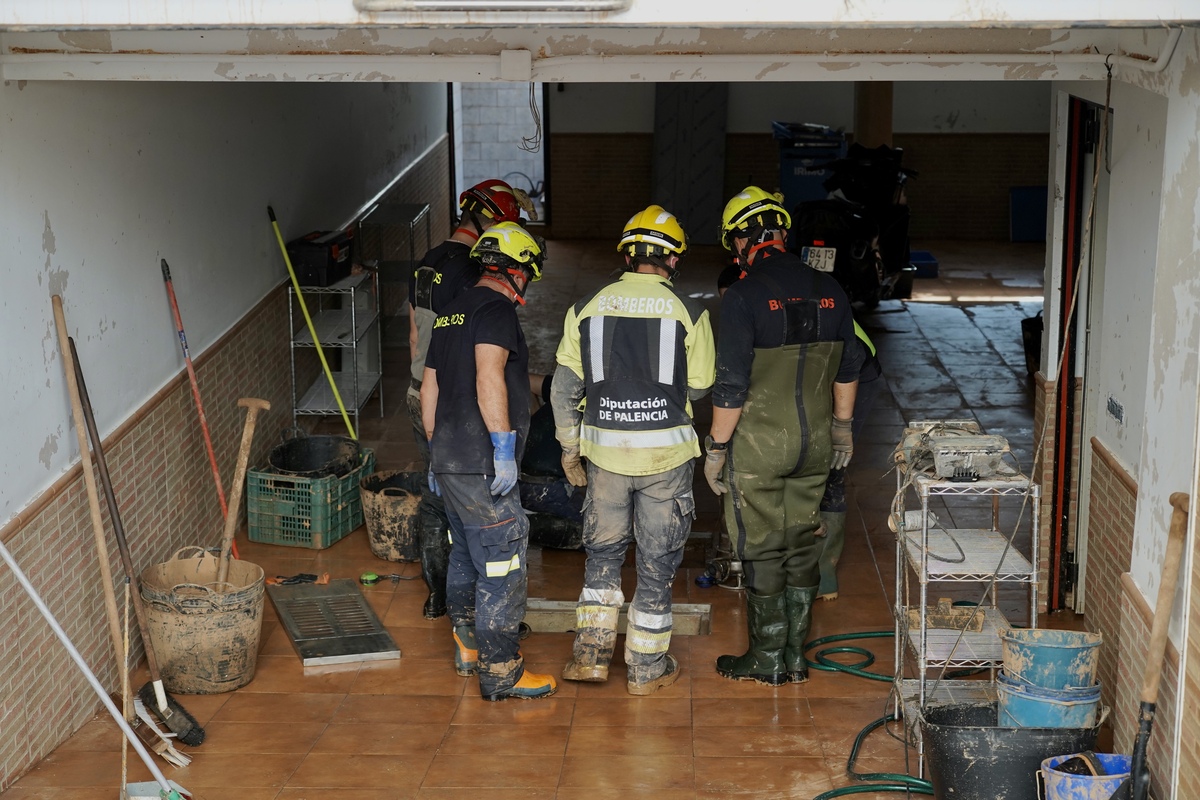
971, 758
316, 456
390, 502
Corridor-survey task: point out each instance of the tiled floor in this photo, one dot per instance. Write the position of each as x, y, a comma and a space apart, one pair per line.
412, 728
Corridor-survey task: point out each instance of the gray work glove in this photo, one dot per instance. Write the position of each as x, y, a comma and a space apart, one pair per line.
843, 442
576, 474
714, 465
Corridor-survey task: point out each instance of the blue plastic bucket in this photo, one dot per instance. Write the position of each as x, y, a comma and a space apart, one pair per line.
1051, 659
1064, 786
1025, 706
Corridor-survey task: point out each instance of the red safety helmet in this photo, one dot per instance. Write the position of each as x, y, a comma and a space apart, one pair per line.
494, 199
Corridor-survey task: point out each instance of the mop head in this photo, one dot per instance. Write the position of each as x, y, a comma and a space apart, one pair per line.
175, 717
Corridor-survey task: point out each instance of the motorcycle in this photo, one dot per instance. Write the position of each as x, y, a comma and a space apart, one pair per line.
859, 233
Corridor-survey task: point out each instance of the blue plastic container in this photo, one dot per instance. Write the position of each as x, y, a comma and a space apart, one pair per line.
1051, 659
1025, 706
1064, 786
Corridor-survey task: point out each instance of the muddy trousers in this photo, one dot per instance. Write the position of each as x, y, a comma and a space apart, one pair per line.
487, 581
656, 513
434, 529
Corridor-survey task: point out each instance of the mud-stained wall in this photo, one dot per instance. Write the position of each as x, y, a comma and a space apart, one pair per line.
102, 180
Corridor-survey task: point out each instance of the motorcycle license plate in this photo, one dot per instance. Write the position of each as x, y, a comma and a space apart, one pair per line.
819, 258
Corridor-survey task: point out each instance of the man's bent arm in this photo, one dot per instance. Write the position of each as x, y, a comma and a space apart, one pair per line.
490, 387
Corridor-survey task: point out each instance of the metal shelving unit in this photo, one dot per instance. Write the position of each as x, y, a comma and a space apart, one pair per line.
927, 552
389, 234
346, 320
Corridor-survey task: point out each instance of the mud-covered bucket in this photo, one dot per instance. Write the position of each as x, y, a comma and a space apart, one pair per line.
1051, 659
390, 502
205, 634
1114, 768
315, 456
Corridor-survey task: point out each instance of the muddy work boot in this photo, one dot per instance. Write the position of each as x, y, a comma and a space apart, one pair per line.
596, 635
767, 621
466, 652
669, 676
834, 540
435, 562
799, 619
530, 686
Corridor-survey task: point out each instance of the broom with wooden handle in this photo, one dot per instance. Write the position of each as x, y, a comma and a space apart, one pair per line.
152, 695
89, 480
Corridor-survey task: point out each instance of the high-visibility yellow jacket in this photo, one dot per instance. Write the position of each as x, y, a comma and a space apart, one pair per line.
642, 351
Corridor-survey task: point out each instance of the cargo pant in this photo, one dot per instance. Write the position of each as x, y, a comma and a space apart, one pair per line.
487, 582
656, 512
778, 463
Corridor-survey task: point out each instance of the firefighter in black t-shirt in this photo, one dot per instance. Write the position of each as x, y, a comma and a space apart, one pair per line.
475, 407
444, 273
783, 406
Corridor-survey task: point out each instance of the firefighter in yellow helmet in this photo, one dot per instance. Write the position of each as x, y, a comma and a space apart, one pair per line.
783, 404
475, 408
633, 356
445, 272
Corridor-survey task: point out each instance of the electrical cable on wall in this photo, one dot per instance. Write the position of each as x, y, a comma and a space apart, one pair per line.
532, 144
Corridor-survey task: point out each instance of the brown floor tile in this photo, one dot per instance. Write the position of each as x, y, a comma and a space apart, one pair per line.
237, 770
377, 793
25, 792
633, 741
285, 674
356, 771
285, 736
380, 738
364, 708
553, 710
236, 793
632, 711
628, 772
409, 676
780, 710
503, 740
793, 776
431, 793
765, 740
487, 771
284, 708
592, 793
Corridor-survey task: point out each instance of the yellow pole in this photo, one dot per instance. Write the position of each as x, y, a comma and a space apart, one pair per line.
311, 329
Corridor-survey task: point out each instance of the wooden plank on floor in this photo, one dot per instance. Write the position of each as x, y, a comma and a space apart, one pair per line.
558, 616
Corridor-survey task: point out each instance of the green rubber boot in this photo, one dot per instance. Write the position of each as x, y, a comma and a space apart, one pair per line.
767, 621
799, 618
835, 540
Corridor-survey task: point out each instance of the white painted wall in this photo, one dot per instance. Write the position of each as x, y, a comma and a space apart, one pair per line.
98, 181
919, 107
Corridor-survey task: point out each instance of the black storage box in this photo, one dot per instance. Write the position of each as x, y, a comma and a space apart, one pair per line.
321, 258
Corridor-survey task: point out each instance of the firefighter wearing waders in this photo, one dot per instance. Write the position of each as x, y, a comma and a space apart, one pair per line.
833, 504
783, 404
445, 272
475, 405
633, 356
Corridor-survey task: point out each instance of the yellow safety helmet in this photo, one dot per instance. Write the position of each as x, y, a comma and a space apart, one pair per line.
508, 248
653, 232
753, 208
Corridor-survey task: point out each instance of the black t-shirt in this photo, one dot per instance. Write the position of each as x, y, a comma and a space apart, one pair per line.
456, 273
461, 442
543, 453
753, 317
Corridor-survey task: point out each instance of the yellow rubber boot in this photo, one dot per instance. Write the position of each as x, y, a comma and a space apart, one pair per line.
466, 652
530, 687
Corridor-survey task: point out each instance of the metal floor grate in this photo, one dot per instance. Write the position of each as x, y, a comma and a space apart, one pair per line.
332, 624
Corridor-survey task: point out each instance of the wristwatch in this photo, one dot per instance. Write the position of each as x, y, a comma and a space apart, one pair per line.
714, 447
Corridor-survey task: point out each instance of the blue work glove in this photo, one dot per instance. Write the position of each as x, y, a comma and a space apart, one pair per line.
433, 484
505, 460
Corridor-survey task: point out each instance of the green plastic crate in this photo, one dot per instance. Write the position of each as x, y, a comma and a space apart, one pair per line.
305, 512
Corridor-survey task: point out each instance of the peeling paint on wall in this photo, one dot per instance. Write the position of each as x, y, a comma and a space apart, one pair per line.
91, 41
49, 448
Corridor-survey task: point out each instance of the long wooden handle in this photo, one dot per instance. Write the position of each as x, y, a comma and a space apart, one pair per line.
89, 482
252, 405
114, 515
1166, 597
